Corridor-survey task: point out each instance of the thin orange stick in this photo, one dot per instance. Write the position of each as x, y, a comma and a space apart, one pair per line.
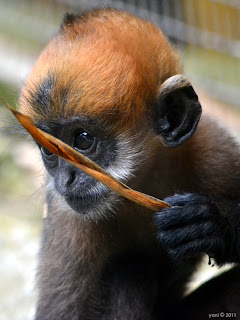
69, 154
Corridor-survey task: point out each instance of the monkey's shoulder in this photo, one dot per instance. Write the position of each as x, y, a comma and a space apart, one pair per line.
210, 152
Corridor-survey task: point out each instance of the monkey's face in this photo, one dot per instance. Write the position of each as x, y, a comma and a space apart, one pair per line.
108, 86
81, 192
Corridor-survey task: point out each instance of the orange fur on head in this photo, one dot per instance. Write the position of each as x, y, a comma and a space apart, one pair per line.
105, 63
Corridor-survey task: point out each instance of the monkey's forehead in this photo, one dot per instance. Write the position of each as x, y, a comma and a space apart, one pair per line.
105, 64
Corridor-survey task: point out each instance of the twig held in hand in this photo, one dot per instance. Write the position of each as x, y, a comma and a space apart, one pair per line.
69, 154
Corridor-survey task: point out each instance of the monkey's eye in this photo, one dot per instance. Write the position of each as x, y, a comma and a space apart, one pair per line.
83, 141
46, 152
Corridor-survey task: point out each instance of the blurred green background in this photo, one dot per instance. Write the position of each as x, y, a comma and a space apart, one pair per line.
207, 33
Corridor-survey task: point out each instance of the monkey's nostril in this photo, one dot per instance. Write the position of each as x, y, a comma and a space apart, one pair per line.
64, 181
72, 177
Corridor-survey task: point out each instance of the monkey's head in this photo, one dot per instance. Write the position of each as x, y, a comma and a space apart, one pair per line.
106, 85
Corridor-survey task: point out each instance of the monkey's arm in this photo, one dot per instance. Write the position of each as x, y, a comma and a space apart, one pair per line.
196, 224
207, 217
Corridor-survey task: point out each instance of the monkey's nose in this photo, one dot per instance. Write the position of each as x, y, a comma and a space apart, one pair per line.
64, 181
71, 178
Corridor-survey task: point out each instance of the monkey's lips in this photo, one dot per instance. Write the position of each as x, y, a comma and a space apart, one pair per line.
81, 203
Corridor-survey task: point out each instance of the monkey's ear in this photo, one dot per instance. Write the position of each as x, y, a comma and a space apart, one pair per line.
178, 111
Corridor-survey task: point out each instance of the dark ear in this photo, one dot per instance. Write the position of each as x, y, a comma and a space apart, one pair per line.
178, 111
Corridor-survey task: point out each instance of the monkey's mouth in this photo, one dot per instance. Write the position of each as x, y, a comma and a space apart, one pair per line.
82, 203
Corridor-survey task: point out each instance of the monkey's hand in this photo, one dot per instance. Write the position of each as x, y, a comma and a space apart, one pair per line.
196, 225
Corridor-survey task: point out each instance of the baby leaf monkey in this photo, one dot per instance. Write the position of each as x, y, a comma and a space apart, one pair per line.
108, 84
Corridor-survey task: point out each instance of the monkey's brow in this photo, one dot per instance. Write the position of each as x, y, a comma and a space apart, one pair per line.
92, 125
40, 95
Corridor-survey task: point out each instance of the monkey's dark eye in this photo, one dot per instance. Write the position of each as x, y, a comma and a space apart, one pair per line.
83, 141
46, 152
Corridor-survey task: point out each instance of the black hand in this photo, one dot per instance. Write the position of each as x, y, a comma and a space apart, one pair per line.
194, 225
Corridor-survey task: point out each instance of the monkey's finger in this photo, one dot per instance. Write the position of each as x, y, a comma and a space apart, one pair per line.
176, 237
211, 244
177, 217
186, 198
